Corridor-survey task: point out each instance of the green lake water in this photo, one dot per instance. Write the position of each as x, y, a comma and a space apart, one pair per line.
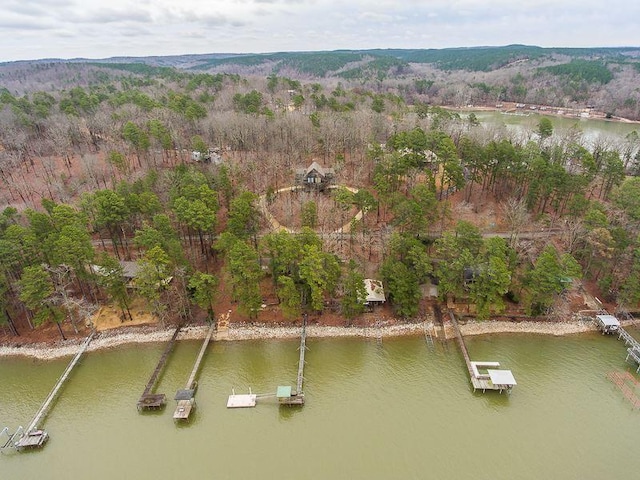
592, 129
395, 410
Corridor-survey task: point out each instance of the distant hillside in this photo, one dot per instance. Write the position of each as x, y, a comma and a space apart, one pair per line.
480, 59
573, 77
351, 63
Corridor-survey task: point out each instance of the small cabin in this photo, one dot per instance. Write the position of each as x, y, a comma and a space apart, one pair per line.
607, 324
315, 176
211, 156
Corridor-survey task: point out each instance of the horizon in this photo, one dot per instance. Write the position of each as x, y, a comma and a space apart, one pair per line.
68, 29
275, 52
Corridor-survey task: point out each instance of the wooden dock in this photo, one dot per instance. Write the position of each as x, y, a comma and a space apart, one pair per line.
284, 394
463, 346
634, 354
628, 339
155, 401
186, 397
33, 436
494, 379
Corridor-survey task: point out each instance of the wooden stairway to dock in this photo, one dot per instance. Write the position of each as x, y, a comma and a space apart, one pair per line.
149, 400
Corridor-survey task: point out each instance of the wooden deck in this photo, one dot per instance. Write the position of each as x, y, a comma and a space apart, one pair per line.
34, 439
482, 384
183, 409
155, 401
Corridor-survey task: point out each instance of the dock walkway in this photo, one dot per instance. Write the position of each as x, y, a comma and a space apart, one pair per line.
628, 339
303, 348
463, 346
186, 396
284, 394
151, 401
633, 351
32, 436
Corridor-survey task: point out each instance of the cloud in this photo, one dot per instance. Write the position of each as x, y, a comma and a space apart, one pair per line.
378, 17
101, 29
19, 24
109, 15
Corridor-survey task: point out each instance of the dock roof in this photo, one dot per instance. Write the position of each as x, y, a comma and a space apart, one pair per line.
502, 377
608, 320
283, 391
185, 394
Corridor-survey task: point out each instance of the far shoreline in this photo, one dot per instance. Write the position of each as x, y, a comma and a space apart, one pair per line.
124, 336
549, 110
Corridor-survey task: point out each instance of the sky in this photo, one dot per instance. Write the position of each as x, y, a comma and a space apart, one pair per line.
34, 29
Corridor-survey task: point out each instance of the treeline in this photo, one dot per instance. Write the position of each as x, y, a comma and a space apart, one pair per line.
189, 225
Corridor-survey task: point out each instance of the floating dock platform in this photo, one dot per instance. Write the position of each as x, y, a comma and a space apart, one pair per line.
242, 400
284, 393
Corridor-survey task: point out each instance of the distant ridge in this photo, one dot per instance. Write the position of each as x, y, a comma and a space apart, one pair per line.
325, 63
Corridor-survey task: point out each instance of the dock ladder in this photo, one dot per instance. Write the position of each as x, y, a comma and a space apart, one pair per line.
10, 442
428, 336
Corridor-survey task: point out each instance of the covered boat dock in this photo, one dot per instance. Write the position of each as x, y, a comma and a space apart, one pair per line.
607, 324
493, 379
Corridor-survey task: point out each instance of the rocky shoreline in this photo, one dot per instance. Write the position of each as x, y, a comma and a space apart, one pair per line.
146, 334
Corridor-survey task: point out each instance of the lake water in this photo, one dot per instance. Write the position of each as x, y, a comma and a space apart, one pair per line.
592, 129
395, 410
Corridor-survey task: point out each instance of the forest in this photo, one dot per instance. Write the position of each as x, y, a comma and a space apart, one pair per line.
105, 163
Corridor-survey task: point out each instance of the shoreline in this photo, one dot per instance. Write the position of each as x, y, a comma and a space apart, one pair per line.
148, 334
550, 111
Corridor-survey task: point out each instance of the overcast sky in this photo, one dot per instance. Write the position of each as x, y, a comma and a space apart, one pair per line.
31, 29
